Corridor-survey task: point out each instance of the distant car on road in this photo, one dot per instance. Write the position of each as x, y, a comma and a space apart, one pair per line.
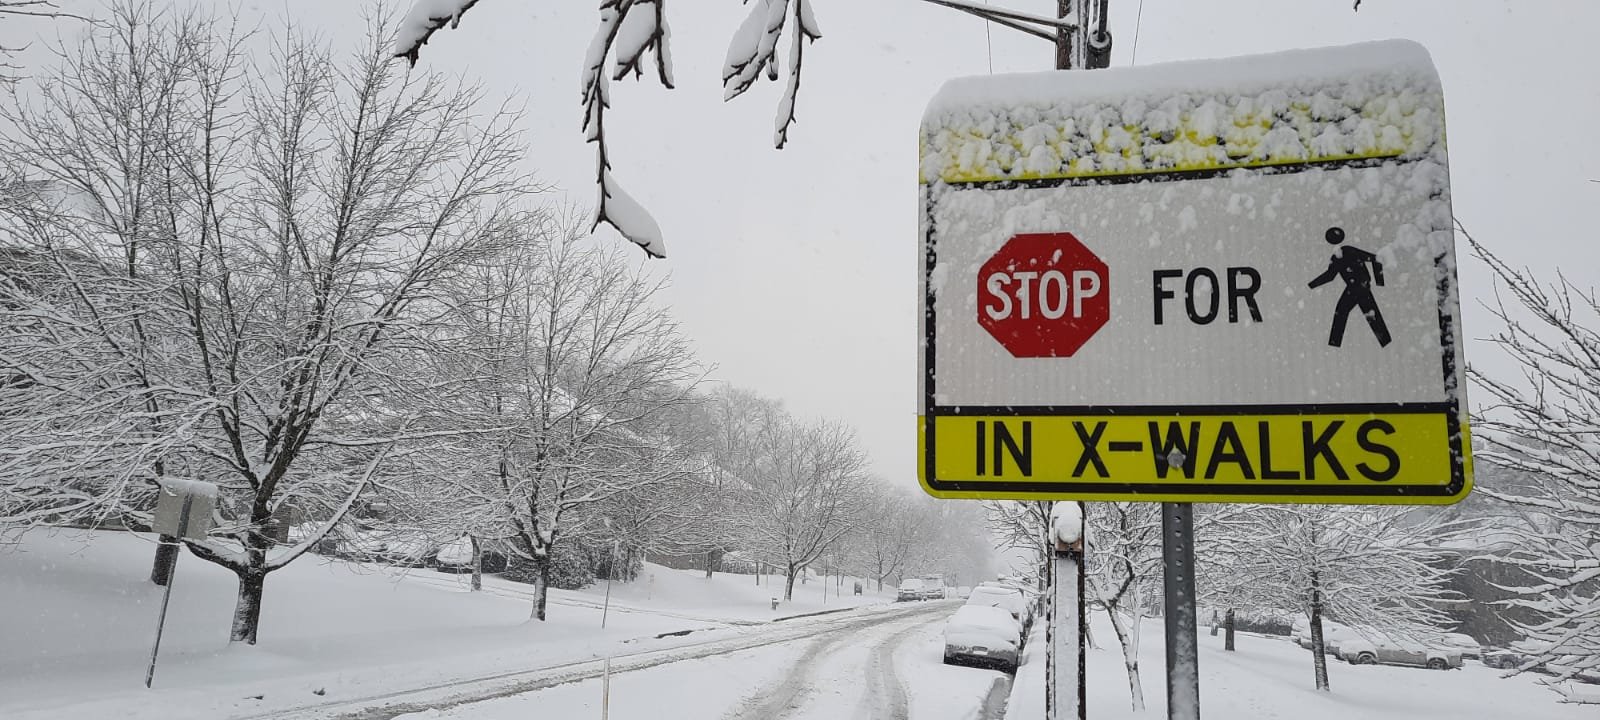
1361, 651
982, 635
910, 589
933, 587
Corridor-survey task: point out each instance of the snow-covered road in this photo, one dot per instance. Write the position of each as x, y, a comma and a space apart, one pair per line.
884, 665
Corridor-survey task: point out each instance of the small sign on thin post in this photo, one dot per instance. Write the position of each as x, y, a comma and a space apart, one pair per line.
183, 510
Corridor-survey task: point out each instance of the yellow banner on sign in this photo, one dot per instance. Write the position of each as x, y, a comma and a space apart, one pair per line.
1364, 457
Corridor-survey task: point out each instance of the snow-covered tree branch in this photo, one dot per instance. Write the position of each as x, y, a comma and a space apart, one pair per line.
1546, 425
627, 32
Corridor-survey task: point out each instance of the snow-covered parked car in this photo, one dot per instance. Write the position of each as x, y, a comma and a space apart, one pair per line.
910, 589
1333, 634
1467, 645
982, 635
407, 548
1010, 599
1532, 654
1504, 658
1361, 651
456, 557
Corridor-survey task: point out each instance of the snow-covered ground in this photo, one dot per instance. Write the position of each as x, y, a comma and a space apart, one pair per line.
335, 637
79, 616
1269, 678
893, 669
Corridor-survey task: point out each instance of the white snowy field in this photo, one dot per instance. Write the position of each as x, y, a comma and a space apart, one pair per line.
1270, 678
79, 615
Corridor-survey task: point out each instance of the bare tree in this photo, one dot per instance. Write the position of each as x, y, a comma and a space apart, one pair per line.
1544, 425
299, 217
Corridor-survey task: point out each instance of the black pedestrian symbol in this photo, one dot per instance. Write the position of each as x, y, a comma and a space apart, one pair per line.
1350, 265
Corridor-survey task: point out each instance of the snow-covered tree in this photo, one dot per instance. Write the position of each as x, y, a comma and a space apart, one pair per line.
1024, 526
1123, 566
892, 533
1543, 424
80, 233
727, 422
950, 539
244, 273
565, 366
1382, 570
799, 488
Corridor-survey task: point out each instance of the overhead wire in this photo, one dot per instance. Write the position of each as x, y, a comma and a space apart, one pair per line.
988, 41
1137, 23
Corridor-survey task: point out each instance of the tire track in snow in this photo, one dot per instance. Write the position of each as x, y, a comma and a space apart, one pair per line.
886, 696
451, 693
994, 704
790, 695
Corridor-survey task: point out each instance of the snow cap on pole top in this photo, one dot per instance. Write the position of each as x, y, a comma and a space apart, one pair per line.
182, 486
1066, 523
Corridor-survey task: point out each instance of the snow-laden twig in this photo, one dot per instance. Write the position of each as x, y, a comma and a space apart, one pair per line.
627, 32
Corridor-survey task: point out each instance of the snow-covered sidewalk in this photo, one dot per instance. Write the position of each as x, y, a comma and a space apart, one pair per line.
1270, 678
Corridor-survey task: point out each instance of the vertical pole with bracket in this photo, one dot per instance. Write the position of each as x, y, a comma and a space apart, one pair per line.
1065, 689
1183, 666
1083, 48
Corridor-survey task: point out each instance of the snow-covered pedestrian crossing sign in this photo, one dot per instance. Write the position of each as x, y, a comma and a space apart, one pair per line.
1218, 281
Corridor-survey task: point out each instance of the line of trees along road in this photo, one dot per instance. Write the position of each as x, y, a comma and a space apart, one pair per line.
327, 284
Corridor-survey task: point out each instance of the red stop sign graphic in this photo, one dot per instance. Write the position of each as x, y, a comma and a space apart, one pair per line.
1043, 295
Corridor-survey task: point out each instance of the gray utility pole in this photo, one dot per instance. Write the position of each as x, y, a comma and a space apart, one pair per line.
1082, 42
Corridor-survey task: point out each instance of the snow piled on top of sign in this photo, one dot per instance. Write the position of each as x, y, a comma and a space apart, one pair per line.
1371, 100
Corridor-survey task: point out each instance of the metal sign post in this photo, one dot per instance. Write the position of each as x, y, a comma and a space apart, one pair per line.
1183, 662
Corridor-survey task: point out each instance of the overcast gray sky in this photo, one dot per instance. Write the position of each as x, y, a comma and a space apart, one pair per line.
794, 271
